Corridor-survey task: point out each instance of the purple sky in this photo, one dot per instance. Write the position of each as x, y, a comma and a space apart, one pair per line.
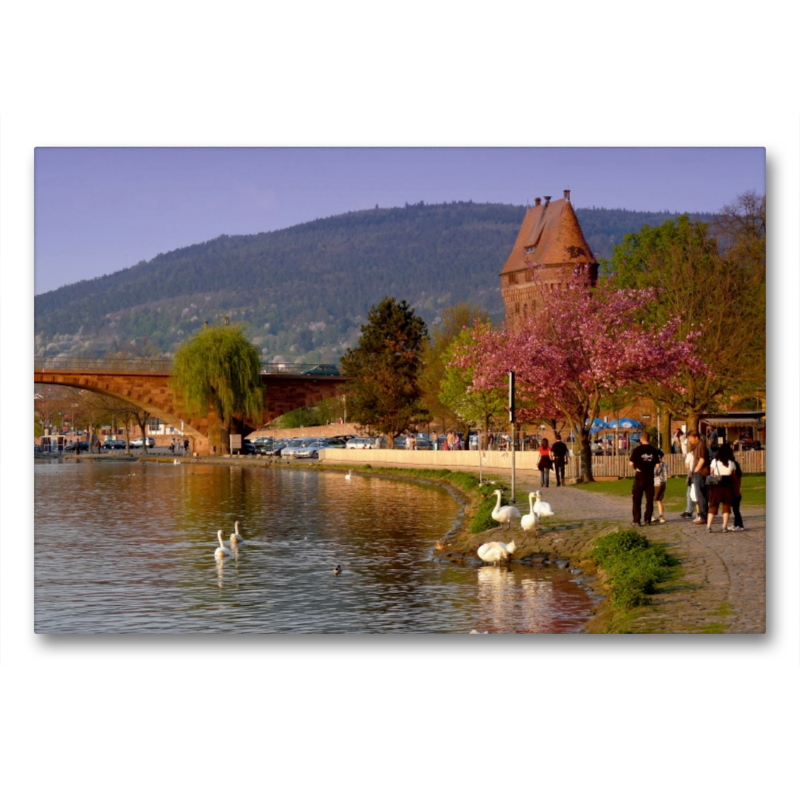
99, 210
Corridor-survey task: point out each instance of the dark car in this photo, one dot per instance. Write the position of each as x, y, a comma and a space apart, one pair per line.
322, 369
80, 447
248, 448
276, 448
114, 444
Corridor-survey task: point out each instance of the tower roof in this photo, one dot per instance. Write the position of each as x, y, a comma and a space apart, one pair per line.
550, 234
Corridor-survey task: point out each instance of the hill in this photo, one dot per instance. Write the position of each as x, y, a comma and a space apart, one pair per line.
304, 291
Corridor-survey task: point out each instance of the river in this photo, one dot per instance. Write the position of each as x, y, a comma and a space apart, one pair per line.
128, 547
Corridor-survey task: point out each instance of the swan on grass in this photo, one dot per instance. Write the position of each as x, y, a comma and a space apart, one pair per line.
530, 521
494, 552
349, 473
222, 551
236, 537
540, 508
504, 514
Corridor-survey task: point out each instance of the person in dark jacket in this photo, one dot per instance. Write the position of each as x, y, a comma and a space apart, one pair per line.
643, 459
560, 459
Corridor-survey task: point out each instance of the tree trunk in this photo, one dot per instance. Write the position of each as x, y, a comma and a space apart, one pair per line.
586, 455
692, 421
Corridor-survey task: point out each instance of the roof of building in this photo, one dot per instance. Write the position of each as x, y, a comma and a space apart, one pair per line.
550, 234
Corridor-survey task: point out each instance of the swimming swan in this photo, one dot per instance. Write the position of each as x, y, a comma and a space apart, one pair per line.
506, 513
541, 508
221, 551
236, 537
492, 552
530, 521
347, 477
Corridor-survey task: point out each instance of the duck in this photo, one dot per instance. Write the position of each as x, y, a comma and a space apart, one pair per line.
440, 545
530, 521
337, 570
493, 552
236, 537
540, 508
222, 551
505, 513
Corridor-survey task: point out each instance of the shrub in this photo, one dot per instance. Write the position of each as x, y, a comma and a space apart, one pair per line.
634, 565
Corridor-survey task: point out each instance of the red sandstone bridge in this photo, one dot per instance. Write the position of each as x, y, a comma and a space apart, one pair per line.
146, 383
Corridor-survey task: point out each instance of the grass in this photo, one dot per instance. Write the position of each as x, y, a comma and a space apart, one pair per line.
634, 566
754, 490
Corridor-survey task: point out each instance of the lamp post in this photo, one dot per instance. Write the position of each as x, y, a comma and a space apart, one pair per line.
511, 419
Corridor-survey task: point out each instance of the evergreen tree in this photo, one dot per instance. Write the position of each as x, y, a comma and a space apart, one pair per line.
384, 370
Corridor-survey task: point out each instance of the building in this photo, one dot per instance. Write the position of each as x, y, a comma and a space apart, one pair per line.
549, 245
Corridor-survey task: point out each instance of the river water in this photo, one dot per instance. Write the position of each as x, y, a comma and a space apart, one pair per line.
129, 548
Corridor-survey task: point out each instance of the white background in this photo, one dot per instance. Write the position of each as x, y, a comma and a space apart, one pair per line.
387, 716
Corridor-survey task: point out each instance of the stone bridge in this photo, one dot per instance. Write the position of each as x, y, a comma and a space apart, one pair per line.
149, 387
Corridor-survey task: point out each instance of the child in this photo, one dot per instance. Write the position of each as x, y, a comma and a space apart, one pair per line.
660, 475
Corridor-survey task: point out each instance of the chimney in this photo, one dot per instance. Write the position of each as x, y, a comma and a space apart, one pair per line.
538, 201
566, 194
547, 200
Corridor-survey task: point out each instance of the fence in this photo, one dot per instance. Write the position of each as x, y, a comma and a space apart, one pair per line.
602, 466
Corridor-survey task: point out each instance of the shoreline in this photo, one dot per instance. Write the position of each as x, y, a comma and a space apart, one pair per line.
719, 587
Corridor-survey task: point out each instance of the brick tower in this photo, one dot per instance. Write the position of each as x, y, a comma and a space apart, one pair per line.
551, 240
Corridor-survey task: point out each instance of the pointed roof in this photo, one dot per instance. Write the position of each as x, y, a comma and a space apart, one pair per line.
550, 234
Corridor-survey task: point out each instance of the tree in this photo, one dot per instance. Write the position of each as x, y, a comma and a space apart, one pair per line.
720, 294
435, 357
581, 345
384, 370
476, 407
218, 368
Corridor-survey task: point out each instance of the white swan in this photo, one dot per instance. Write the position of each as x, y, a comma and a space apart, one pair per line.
530, 521
221, 551
506, 513
347, 477
236, 537
492, 552
540, 508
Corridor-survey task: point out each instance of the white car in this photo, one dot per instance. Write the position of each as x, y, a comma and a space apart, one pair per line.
139, 442
361, 443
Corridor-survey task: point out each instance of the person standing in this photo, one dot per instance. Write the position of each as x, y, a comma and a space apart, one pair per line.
560, 459
644, 458
545, 462
660, 475
738, 522
723, 467
689, 513
700, 470
490, 441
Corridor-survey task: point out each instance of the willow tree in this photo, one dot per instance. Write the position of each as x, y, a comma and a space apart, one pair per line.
219, 368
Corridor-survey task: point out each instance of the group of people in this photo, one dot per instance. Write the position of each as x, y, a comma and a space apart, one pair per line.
176, 447
713, 479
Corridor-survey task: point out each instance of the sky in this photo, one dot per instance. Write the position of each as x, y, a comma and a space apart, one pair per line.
101, 209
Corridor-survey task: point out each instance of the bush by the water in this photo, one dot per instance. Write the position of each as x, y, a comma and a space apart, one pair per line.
634, 565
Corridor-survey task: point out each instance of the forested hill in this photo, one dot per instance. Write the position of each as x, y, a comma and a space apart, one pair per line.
305, 290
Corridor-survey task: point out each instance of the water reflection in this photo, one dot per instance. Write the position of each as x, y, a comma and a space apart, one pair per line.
130, 548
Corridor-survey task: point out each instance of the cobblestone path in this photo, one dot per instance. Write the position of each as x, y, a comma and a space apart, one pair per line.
723, 586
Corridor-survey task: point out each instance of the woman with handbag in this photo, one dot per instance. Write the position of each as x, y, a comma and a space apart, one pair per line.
720, 486
545, 462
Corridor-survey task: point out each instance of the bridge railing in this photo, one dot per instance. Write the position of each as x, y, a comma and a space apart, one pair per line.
165, 365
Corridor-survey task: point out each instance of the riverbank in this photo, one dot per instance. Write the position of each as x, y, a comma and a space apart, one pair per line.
719, 587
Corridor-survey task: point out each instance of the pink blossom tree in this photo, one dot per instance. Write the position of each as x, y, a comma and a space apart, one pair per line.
579, 345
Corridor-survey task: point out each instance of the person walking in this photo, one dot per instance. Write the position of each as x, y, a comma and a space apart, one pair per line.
644, 458
660, 475
700, 469
723, 468
560, 460
545, 462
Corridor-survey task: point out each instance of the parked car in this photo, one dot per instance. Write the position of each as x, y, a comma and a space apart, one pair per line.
114, 444
80, 447
248, 448
139, 442
361, 443
276, 448
311, 450
297, 444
